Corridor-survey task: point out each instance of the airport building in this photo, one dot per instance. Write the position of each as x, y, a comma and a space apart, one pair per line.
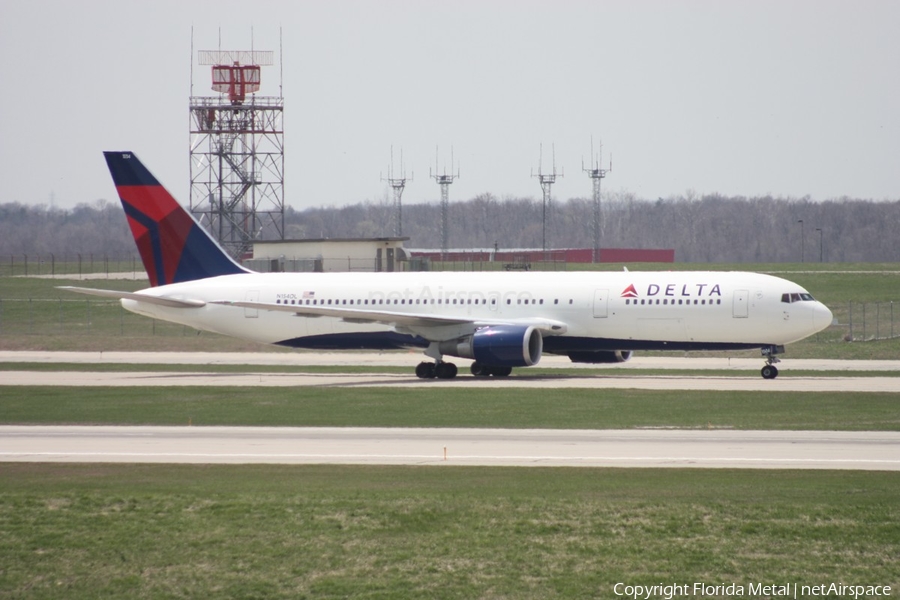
328, 255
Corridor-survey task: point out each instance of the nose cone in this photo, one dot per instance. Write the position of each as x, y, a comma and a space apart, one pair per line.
822, 317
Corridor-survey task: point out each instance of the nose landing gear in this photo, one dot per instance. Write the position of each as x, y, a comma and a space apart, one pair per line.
770, 371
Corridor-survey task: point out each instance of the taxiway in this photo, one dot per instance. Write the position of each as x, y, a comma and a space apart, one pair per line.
482, 447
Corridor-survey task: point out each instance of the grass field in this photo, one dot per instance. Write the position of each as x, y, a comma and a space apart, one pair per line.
113, 531
176, 531
447, 407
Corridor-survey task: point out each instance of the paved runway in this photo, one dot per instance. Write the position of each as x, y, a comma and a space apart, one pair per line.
488, 447
631, 448
594, 376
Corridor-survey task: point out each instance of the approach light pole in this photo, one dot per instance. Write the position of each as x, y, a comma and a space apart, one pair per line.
801, 239
821, 245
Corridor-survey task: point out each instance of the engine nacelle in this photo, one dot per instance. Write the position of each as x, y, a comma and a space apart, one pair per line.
601, 357
499, 346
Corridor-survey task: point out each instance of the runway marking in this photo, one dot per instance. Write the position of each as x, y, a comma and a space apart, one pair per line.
451, 458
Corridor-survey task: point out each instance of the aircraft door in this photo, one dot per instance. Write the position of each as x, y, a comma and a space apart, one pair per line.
252, 296
601, 304
741, 304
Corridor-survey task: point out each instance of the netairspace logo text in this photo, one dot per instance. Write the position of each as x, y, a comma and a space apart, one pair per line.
749, 590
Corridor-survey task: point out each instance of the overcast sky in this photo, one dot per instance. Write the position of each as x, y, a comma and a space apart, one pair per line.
740, 97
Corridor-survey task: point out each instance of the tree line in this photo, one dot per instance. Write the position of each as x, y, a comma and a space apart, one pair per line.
701, 229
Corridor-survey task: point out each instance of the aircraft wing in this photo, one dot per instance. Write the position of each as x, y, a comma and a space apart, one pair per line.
169, 301
397, 319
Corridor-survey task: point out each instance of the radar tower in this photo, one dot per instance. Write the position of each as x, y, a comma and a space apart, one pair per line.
237, 152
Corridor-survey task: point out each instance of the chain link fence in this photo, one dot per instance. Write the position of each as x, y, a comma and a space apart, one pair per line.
864, 322
88, 317
74, 266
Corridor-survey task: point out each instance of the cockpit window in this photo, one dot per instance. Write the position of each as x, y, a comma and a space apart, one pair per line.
791, 298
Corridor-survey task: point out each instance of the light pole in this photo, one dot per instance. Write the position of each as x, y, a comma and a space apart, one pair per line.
821, 245
801, 239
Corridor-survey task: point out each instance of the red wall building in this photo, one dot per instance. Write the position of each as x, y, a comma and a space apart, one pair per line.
573, 255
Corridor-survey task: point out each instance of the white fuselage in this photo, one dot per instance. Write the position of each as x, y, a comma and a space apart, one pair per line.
612, 310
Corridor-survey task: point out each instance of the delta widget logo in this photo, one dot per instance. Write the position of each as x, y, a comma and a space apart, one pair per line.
630, 292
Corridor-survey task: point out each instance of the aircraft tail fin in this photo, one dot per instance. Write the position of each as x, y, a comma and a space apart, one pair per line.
172, 244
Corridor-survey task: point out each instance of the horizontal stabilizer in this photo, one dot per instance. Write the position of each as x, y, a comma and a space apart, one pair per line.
137, 297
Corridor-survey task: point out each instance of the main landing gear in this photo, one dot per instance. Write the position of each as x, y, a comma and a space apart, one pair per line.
770, 371
447, 370
441, 370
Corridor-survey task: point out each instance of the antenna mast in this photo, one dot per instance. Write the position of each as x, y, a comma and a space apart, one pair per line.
596, 174
398, 184
547, 180
444, 181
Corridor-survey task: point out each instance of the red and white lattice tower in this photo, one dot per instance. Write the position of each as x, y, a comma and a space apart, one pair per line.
237, 152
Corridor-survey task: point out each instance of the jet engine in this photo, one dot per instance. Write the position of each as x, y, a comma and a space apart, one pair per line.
499, 345
601, 357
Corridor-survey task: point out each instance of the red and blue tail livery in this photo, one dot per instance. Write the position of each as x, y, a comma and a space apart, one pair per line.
173, 246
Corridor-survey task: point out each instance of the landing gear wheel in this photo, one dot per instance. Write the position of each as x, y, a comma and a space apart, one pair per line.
425, 370
445, 370
770, 353
480, 370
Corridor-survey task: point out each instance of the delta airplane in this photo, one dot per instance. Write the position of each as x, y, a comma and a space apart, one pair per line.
500, 320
